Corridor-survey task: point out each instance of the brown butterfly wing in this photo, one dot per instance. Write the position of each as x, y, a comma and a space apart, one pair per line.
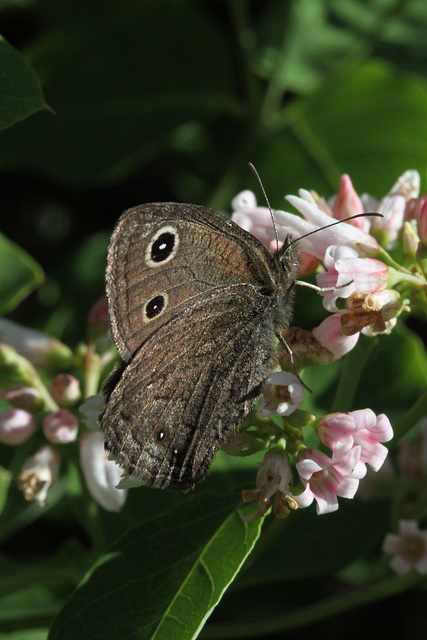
187, 388
209, 253
194, 312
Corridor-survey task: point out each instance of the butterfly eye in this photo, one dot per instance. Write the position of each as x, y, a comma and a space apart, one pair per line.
162, 247
161, 435
155, 307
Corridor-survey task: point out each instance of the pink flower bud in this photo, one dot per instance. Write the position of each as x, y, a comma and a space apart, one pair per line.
417, 209
61, 426
22, 397
65, 390
37, 347
347, 203
16, 426
98, 321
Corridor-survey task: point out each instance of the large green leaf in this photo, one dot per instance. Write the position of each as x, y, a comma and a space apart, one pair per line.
120, 90
163, 578
20, 91
20, 274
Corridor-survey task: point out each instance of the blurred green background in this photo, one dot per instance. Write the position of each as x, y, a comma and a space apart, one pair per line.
169, 100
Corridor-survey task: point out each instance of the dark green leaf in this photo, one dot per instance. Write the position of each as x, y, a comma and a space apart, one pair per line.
164, 577
20, 91
20, 275
120, 94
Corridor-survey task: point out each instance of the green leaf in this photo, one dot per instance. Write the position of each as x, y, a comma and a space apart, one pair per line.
349, 127
20, 91
33, 606
299, 44
20, 275
25, 634
121, 93
163, 578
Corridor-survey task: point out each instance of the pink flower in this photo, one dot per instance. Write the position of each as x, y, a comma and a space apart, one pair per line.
330, 335
65, 390
257, 220
393, 207
16, 426
61, 426
388, 228
283, 394
409, 548
347, 273
344, 234
273, 480
324, 479
102, 475
39, 473
343, 431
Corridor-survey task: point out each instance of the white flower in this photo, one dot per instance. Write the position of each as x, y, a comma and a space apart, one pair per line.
38, 475
283, 393
102, 475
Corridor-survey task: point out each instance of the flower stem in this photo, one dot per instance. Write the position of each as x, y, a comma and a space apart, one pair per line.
351, 372
411, 417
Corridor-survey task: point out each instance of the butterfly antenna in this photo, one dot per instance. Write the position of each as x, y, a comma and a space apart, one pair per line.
333, 224
267, 201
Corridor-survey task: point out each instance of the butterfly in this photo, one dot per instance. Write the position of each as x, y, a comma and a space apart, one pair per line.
197, 307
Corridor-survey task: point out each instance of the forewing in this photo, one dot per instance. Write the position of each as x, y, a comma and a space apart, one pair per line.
209, 253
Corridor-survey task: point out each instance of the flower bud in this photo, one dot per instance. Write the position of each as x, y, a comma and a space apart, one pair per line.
38, 475
242, 444
61, 426
37, 347
347, 203
22, 397
102, 475
65, 390
16, 426
98, 321
411, 241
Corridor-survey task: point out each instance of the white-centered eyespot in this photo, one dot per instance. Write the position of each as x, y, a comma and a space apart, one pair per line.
162, 246
155, 307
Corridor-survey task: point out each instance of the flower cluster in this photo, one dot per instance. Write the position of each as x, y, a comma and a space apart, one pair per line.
365, 291
362, 287
49, 417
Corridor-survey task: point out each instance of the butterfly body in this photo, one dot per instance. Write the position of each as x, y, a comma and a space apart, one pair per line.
196, 304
